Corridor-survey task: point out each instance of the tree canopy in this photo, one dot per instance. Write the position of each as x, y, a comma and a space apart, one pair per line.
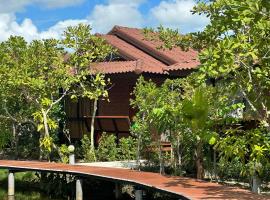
37, 76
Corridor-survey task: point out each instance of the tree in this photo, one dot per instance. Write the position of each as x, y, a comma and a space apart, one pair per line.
31, 82
235, 49
145, 129
170, 112
85, 49
33, 74
196, 111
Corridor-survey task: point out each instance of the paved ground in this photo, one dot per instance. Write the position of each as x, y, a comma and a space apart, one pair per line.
187, 187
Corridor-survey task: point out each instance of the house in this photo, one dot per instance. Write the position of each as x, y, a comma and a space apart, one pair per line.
136, 56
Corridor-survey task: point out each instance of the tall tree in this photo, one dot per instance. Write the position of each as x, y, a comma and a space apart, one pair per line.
86, 48
234, 49
32, 74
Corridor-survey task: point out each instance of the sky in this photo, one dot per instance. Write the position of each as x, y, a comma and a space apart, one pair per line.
41, 19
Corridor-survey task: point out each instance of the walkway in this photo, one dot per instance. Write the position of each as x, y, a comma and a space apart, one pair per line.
185, 187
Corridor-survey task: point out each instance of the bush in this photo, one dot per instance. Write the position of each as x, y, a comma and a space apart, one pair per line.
127, 149
88, 154
107, 148
230, 169
64, 153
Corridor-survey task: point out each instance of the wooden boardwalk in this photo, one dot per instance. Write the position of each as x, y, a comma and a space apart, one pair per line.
184, 187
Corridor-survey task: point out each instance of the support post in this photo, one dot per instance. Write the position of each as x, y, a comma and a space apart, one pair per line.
11, 184
79, 189
138, 195
71, 150
117, 191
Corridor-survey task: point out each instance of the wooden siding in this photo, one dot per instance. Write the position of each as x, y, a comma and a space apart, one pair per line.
122, 85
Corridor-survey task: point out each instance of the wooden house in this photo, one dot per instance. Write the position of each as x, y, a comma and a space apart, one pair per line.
136, 57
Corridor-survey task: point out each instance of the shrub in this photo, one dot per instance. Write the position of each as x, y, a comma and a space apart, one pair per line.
107, 148
88, 154
127, 149
64, 153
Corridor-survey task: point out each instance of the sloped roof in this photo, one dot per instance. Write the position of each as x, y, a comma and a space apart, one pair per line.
143, 55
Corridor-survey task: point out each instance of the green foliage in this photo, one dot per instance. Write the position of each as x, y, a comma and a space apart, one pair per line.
236, 48
87, 83
32, 73
234, 56
64, 153
250, 147
107, 148
230, 170
46, 145
5, 138
88, 154
56, 185
27, 142
127, 149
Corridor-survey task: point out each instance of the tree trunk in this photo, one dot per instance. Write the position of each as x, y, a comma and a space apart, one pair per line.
179, 155
45, 122
161, 160
215, 165
92, 139
138, 152
46, 131
199, 160
256, 183
15, 136
92, 131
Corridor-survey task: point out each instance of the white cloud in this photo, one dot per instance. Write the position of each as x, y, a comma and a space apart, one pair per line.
176, 14
12, 6
9, 26
116, 12
170, 13
57, 30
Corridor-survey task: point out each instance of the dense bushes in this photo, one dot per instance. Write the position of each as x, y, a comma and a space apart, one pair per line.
108, 149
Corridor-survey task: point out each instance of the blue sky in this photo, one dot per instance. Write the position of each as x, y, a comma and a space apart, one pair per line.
35, 19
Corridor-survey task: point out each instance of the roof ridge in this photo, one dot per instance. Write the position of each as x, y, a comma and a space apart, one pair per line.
122, 27
154, 52
122, 61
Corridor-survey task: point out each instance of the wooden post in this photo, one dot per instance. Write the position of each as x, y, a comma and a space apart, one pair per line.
117, 191
138, 195
79, 189
11, 184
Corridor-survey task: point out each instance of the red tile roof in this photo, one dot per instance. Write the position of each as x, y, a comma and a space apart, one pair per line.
143, 55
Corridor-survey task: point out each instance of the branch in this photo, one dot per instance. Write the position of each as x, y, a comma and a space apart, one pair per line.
56, 102
4, 117
249, 102
9, 115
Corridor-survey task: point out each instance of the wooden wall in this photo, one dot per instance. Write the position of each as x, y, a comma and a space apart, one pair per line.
119, 96
119, 103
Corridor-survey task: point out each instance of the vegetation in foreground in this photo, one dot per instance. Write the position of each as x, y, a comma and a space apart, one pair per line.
217, 119
225, 105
